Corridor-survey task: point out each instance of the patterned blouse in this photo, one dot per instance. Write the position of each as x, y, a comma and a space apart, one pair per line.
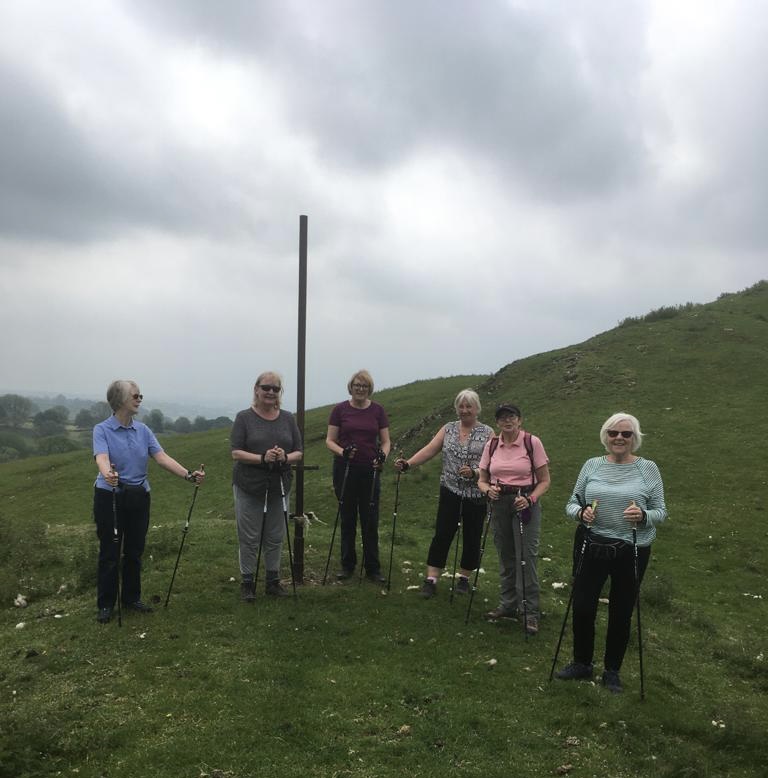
457, 454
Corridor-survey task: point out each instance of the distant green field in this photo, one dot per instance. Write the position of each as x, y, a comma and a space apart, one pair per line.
349, 681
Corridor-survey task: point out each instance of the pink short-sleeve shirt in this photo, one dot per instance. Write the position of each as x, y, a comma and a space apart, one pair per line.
510, 464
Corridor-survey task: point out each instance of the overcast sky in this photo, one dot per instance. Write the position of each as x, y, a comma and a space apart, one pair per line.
484, 180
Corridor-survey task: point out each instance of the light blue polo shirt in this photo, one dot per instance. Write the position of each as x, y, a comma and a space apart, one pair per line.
129, 449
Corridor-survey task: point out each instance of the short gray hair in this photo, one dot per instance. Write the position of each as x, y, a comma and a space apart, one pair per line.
467, 395
637, 435
119, 391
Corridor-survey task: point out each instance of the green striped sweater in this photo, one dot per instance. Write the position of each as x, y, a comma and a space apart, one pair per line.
614, 486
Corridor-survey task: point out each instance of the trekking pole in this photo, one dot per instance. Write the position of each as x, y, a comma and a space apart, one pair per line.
458, 538
479, 561
183, 538
116, 538
261, 534
394, 523
522, 571
637, 605
582, 554
336, 523
371, 499
287, 532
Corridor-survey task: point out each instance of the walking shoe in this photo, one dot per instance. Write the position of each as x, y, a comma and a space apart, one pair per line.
575, 671
376, 578
532, 625
138, 606
428, 589
612, 682
344, 575
276, 589
248, 591
105, 615
462, 585
500, 612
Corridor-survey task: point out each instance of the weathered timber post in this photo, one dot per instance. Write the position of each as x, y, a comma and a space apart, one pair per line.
298, 516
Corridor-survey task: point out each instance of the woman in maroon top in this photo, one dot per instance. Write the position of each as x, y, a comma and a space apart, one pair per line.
358, 436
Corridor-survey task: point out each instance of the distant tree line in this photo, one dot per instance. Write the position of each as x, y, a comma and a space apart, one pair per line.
157, 422
25, 430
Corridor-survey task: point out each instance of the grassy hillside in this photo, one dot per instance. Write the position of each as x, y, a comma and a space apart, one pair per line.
350, 681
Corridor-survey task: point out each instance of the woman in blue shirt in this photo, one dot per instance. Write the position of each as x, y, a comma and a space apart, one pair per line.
122, 447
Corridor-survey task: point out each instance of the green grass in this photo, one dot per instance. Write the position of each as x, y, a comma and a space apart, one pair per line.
348, 681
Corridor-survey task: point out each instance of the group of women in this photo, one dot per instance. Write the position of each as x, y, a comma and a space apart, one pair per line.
617, 502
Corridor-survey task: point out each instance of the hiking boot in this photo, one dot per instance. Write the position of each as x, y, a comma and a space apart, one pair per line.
248, 591
462, 585
276, 589
500, 612
377, 578
428, 589
532, 625
612, 682
138, 606
344, 575
104, 616
575, 671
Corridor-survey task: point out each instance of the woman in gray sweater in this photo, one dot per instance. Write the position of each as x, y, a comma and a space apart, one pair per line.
265, 443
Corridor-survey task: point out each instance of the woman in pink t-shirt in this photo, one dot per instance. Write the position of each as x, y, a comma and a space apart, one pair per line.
514, 474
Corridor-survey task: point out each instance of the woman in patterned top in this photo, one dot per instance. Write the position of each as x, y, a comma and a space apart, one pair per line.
461, 442
614, 495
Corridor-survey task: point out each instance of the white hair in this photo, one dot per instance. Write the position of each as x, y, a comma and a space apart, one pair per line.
637, 435
467, 395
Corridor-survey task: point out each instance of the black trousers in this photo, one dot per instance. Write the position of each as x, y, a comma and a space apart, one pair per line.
451, 510
621, 597
358, 500
132, 525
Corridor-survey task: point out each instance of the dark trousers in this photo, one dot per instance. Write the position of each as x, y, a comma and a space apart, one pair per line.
132, 524
358, 500
587, 588
452, 510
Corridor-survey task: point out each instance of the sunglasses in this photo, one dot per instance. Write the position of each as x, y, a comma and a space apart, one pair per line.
270, 388
137, 396
623, 433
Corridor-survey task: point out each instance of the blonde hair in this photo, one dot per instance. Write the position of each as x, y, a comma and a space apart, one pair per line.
467, 395
637, 435
363, 375
262, 376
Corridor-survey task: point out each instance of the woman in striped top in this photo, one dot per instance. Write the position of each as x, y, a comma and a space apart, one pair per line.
614, 494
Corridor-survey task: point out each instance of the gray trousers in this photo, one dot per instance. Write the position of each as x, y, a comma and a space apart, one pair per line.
249, 514
506, 537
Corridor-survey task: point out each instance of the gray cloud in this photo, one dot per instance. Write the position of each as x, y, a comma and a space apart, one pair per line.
551, 169
62, 182
554, 99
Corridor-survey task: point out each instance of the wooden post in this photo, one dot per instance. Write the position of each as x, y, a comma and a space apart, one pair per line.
298, 524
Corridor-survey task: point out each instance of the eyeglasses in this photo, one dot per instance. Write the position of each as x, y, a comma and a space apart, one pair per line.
623, 433
361, 386
507, 417
137, 396
270, 388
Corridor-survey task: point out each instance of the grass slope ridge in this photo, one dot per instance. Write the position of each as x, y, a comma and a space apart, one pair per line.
349, 682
